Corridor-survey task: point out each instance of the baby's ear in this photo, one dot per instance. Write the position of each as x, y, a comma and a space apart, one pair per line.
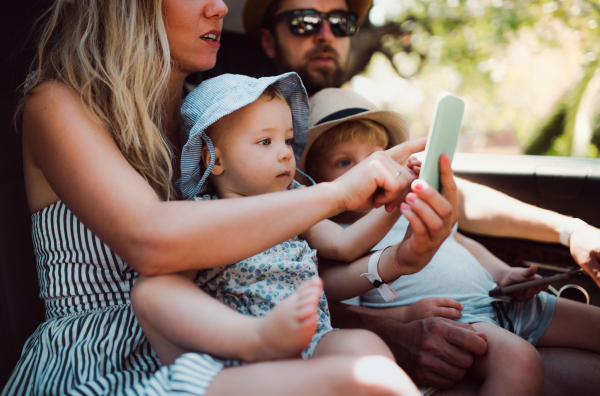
217, 167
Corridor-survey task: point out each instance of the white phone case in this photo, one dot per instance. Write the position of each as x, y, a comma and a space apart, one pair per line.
443, 136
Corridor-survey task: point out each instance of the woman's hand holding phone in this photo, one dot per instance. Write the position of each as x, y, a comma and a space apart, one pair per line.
431, 215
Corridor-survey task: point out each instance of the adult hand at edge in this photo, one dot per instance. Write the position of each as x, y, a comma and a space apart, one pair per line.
585, 249
435, 351
373, 182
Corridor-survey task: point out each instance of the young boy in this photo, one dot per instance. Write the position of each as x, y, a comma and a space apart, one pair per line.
460, 274
240, 136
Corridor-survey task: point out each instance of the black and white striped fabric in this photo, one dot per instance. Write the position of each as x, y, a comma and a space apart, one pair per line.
91, 343
220, 96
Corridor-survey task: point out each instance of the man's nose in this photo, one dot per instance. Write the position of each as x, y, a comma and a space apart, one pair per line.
324, 34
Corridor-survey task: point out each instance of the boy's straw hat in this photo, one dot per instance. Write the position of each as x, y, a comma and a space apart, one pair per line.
332, 106
254, 11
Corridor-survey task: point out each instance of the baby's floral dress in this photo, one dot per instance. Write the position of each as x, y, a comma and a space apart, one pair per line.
255, 285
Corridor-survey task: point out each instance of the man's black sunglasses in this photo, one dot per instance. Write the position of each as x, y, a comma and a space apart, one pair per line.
308, 22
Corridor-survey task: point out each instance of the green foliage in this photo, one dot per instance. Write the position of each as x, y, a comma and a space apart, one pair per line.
545, 141
469, 35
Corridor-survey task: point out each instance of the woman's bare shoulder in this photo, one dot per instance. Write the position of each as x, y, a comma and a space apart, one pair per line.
49, 98
56, 129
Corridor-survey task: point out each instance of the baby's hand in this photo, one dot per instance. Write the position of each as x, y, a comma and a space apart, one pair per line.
434, 306
414, 165
518, 275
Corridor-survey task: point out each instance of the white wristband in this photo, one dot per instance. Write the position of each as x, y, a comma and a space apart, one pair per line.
570, 226
385, 290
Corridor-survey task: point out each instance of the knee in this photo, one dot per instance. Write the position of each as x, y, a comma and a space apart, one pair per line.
363, 342
525, 363
372, 375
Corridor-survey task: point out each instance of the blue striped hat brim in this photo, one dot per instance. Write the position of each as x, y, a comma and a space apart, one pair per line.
220, 96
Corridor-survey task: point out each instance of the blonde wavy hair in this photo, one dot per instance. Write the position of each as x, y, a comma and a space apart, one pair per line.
115, 55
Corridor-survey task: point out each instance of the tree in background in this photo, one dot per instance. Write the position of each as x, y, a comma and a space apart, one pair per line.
527, 69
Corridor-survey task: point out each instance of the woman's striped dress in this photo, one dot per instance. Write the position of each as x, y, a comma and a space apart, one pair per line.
91, 343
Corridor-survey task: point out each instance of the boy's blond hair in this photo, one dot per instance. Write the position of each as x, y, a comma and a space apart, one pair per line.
216, 131
361, 130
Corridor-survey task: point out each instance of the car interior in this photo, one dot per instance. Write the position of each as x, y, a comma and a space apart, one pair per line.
567, 185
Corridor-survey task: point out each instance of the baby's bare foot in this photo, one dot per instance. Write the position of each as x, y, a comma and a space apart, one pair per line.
287, 329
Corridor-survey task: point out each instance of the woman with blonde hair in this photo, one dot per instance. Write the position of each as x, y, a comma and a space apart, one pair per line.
101, 154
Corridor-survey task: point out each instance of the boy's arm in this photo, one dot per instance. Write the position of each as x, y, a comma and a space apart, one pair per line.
336, 243
502, 273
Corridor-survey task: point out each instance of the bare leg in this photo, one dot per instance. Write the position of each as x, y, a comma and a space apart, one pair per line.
511, 365
374, 354
567, 372
573, 325
177, 317
323, 376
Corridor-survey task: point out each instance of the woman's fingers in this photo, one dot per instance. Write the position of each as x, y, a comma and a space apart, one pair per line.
404, 150
433, 220
396, 184
438, 202
418, 228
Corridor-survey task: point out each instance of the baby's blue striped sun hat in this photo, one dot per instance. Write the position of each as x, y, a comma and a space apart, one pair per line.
219, 96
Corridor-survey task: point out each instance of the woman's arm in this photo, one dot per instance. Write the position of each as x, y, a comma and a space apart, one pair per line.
86, 170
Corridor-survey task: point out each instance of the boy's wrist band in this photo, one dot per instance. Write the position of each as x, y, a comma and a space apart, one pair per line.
570, 226
386, 292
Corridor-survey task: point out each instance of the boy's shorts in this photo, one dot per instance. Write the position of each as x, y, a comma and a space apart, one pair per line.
529, 319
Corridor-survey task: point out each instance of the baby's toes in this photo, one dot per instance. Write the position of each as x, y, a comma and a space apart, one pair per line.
307, 316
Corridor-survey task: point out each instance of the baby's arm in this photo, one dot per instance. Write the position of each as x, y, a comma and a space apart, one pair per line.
336, 243
502, 273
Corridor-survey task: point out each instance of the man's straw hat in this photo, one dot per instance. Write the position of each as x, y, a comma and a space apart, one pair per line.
333, 106
254, 13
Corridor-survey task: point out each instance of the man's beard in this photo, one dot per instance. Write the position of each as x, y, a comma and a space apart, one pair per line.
317, 78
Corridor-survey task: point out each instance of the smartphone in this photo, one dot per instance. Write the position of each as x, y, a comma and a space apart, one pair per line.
442, 137
535, 283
